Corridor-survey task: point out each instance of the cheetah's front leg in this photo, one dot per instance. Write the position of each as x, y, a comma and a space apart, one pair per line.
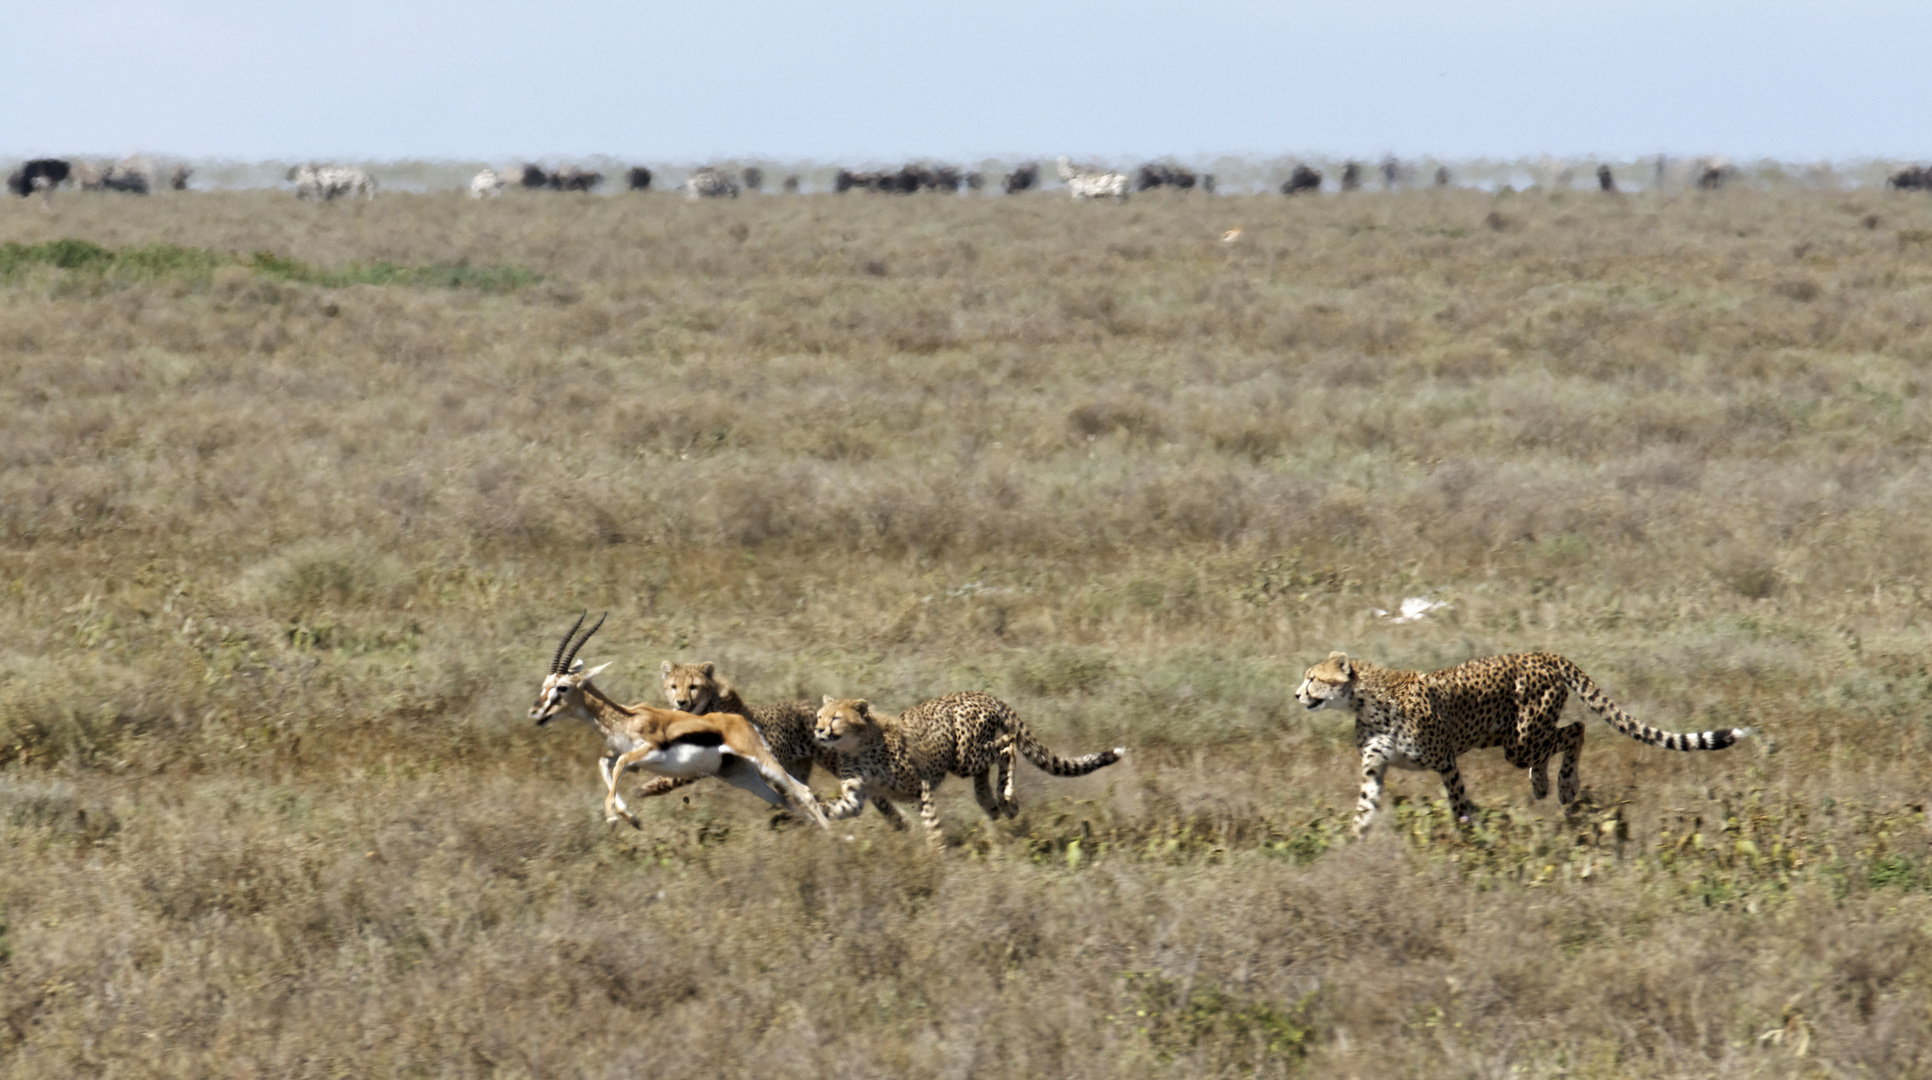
929, 816
850, 802
1375, 765
1458, 798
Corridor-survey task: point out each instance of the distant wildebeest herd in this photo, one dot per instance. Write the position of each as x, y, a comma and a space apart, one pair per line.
327, 183
135, 176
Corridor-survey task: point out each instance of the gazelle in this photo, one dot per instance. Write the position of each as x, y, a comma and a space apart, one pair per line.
663, 741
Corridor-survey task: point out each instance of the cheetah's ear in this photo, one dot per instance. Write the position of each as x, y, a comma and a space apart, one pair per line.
708, 668
665, 667
828, 700
864, 707
1341, 663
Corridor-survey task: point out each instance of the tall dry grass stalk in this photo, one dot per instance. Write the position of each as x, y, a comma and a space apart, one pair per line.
281, 558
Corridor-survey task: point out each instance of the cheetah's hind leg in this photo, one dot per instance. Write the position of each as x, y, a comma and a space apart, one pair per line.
891, 812
1570, 740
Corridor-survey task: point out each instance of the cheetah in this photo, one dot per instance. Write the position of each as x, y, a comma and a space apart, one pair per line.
906, 756
786, 726
1424, 720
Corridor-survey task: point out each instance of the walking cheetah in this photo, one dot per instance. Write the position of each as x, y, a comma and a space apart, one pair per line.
786, 726
1424, 720
906, 756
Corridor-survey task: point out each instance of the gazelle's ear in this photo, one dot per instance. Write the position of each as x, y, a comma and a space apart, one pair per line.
828, 700
708, 668
576, 666
592, 673
665, 667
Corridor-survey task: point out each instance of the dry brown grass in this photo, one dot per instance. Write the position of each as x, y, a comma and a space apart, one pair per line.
280, 563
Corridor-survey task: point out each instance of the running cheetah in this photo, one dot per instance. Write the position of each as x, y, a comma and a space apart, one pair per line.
786, 726
1423, 720
906, 756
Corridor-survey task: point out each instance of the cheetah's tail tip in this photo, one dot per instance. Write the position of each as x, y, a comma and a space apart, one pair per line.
1742, 733
1120, 751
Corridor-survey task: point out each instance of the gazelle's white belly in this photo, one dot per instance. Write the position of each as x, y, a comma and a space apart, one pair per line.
683, 759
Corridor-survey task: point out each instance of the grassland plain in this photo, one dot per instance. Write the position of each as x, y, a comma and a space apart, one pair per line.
295, 499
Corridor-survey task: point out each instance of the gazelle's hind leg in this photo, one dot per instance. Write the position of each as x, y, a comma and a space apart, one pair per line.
1570, 739
740, 773
761, 779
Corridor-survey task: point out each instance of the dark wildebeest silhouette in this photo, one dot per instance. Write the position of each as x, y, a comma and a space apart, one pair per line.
1912, 178
1606, 180
1442, 176
132, 179
1352, 176
178, 179
639, 178
40, 174
904, 181
1302, 179
534, 178
1391, 172
754, 178
1207, 183
846, 180
571, 178
1024, 178
1714, 174
791, 184
1155, 174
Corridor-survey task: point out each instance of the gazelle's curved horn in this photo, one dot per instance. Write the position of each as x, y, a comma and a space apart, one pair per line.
557, 658
572, 654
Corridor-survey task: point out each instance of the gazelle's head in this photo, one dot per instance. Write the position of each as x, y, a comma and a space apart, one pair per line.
563, 686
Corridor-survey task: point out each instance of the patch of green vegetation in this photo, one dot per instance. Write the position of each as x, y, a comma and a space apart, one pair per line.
156, 262
1178, 1017
484, 278
1061, 672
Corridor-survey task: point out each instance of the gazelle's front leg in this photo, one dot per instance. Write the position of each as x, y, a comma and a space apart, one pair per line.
613, 802
607, 767
802, 799
1375, 765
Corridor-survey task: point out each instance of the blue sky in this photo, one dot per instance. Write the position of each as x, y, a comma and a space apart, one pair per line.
838, 79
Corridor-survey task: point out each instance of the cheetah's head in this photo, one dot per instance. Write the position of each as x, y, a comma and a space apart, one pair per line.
691, 687
844, 723
1330, 683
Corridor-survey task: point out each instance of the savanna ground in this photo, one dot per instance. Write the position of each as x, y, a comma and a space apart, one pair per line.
295, 500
